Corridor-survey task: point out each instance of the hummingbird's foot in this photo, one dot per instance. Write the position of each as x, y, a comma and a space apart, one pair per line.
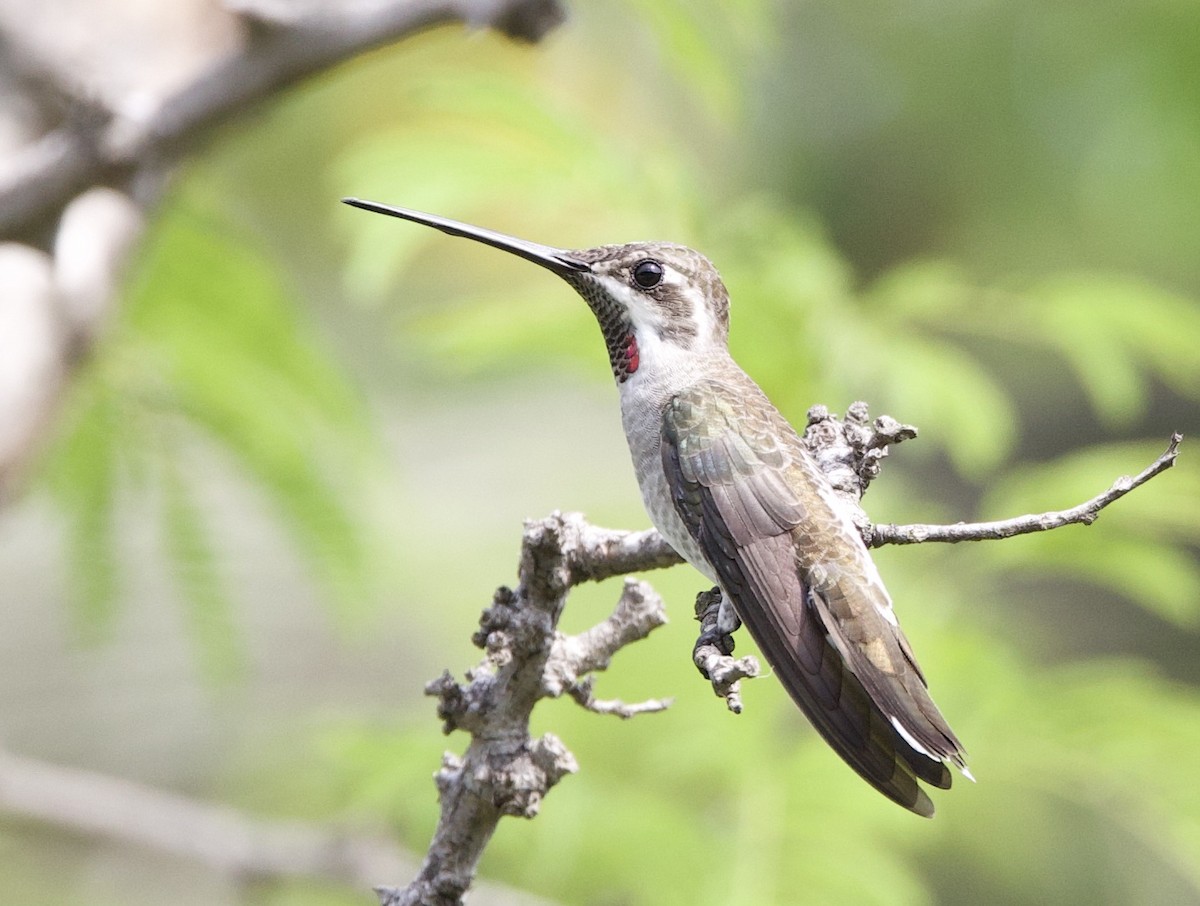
717, 621
713, 651
728, 621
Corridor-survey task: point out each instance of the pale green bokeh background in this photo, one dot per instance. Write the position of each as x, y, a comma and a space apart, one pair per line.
299, 464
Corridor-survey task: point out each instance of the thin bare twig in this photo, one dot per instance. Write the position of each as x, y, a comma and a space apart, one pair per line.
1084, 514
581, 692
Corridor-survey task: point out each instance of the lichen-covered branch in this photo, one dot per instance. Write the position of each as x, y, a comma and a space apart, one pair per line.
850, 451
505, 771
581, 692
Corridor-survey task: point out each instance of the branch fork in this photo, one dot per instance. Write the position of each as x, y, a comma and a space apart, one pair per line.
505, 771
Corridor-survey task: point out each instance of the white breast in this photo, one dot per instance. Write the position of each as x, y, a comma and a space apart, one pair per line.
643, 400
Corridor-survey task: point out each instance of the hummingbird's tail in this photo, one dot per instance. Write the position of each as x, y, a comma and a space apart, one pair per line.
807, 660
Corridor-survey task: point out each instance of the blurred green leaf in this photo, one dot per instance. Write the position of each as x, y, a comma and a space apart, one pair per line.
1117, 334
1162, 579
211, 341
83, 472
1109, 720
234, 356
704, 43
194, 562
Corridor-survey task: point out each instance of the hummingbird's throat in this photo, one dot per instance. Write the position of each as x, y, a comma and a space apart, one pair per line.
623, 352
619, 338
631, 358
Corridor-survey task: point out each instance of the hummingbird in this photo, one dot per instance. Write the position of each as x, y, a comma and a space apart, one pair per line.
728, 482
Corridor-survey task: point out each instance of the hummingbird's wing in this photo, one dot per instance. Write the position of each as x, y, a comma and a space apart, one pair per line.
801, 579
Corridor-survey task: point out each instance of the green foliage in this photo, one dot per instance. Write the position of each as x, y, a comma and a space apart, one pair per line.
382, 774
190, 553
705, 45
1117, 334
867, 204
211, 350
1089, 739
83, 473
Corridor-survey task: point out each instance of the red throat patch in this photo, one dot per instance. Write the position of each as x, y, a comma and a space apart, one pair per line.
632, 356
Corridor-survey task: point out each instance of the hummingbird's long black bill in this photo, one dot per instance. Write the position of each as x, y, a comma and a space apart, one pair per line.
557, 260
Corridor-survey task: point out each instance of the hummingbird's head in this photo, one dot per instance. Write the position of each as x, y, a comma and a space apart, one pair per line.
657, 303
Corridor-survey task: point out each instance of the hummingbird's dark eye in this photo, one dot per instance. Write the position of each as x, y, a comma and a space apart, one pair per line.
647, 274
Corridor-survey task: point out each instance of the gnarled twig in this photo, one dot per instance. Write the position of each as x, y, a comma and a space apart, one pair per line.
504, 770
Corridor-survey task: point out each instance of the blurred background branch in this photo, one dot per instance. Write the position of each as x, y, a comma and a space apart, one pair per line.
130, 141
225, 840
80, 134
